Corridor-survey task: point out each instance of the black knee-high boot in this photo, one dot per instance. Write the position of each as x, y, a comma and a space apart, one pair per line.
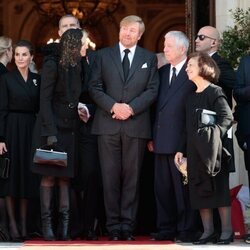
46, 194
63, 229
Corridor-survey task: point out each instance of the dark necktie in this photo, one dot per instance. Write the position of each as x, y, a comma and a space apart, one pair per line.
173, 76
125, 63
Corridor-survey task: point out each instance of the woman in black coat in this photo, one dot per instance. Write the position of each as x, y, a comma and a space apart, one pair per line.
6, 53
208, 175
19, 103
61, 86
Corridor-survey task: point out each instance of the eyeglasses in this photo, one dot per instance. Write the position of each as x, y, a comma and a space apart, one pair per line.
202, 37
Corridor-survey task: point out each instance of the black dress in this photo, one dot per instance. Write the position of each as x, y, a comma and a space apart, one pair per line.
59, 96
212, 98
19, 103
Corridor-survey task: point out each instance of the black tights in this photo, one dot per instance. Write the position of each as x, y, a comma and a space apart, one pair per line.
208, 224
11, 211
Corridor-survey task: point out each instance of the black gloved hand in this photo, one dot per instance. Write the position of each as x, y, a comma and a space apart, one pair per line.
51, 140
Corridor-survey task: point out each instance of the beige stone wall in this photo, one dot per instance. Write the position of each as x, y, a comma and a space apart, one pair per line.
223, 18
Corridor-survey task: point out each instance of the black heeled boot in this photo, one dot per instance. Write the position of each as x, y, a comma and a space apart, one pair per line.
46, 194
63, 228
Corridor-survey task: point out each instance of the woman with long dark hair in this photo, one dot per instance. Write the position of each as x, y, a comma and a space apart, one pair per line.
61, 86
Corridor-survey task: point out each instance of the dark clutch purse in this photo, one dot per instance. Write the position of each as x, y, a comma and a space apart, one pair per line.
206, 117
50, 157
4, 167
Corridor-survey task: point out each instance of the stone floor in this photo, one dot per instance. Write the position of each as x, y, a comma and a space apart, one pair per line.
237, 244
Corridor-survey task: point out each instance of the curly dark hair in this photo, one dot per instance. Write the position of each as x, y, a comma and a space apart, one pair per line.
70, 45
208, 68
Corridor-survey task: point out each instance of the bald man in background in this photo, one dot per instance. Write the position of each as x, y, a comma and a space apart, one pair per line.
208, 40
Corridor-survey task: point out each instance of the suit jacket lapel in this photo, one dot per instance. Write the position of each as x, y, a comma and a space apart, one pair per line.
116, 57
164, 85
137, 61
25, 85
179, 82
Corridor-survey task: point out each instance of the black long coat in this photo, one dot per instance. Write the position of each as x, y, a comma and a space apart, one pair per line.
206, 191
19, 103
59, 96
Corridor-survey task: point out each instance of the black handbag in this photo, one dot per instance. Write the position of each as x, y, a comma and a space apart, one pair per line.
205, 117
4, 167
50, 157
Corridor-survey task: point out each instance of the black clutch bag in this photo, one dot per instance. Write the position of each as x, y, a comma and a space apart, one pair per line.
206, 117
50, 157
4, 167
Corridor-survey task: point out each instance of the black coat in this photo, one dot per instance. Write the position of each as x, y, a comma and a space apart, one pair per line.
3, 69
206, 191
19, 103
59, 97
242, 97
227, 79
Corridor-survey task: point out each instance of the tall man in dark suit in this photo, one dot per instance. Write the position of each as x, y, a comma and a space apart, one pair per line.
174, 216
242, 113
124, 84
208, 40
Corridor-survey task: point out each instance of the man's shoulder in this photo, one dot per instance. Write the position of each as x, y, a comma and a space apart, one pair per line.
164, 68
218, 58
245, 58
105, 51
145, 51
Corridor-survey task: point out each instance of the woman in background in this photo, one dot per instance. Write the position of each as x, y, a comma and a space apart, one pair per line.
208, 188
19, 103
61, 87
6, 53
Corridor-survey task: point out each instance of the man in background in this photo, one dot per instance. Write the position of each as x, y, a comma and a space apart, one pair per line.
208, 40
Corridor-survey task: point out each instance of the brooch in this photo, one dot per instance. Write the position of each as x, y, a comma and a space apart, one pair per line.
35, 82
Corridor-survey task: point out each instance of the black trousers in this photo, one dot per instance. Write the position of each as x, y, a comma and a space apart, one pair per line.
174, 214
121, 159
87, 183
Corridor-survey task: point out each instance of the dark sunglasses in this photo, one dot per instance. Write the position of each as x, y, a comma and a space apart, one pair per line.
202, 37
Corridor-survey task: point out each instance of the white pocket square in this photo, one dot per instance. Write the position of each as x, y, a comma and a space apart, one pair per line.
144, 66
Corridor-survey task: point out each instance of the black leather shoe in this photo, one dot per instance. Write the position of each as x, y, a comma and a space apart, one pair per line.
17, 239
115, 235
127, 235
226, 241
162, 236
211, 238
187, 237
91, 235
